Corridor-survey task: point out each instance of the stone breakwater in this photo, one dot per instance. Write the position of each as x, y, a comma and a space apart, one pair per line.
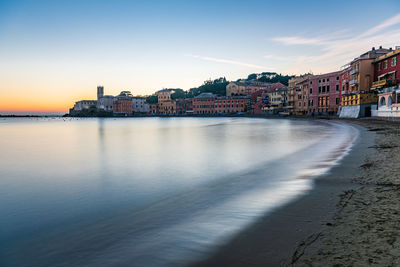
365, 230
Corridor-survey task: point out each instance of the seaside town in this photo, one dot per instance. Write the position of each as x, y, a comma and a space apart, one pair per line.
365, 87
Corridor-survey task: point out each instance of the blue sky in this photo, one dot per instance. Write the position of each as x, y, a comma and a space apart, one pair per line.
66, 48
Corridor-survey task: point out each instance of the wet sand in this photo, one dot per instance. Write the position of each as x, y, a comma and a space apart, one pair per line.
350, 218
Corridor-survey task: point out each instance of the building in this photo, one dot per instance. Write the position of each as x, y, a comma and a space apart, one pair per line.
233, 104
139, 105
100, 92
166, 105
361, 76
258, 101
278, 101
204, 103
292, 96
153, 109
123, 103
344, 79
324, 93
236, 88
301, 91
386, 84
84, 104
184, 106
105, 103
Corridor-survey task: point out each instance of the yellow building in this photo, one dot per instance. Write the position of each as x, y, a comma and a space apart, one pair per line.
235, 88
359, 99
166, 105
298, 94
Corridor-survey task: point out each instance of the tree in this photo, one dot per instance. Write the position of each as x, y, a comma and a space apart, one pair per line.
153, 99
252, 77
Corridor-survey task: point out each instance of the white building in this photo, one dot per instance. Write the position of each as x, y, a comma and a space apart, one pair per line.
105, 103
140, 105
84, 104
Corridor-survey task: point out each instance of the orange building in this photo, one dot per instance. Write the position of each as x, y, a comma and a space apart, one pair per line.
204, 103
123, 103
165, 103
230, 104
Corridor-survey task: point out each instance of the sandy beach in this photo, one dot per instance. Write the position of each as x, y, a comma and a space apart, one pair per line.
365, 229
350, 218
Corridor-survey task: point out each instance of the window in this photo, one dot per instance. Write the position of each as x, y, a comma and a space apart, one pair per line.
337, 87
310, 90
311, 82
394, 61
379, 66
385, 64
327, 80
319, 89
327, 88
323, 80
337, 78
323, 89
337, 101
319, 81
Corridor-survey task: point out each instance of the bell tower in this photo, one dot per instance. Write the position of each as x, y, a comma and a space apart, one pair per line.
100, 92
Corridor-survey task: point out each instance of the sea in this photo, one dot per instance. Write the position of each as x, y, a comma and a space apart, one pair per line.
156, 191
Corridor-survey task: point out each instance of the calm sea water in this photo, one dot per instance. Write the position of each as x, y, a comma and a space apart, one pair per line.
149, 191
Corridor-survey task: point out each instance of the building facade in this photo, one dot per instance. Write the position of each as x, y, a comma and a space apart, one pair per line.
301, 90
166, 105
236, 88
184, 106
233, 104
386, 84
204, 103
324, 93
361, 76
123, 103
105, 103
139, 105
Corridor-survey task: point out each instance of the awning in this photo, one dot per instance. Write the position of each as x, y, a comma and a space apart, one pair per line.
387, 73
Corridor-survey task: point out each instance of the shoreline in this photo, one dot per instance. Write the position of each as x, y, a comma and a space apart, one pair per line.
281, 237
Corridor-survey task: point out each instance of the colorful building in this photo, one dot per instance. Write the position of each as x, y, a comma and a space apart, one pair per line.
123, 103
361, 76
204, 103
236, 88
153, 108
386, 84
278, 101
230, 104
184, 106
324, 93
166, 105
258, 101
301, 89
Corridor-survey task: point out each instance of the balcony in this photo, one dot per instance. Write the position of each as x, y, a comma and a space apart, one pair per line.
378, 84
352, 72
353, 82
389, 89
344, 92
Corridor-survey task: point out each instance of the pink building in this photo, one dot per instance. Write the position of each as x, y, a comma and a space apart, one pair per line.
324, 93
258, 101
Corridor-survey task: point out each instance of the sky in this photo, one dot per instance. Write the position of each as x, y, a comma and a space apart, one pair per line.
53, 53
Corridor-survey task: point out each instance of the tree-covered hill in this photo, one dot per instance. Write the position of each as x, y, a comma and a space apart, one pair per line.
270, 77
218, 86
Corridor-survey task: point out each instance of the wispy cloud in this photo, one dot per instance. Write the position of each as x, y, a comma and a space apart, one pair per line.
233, 62
387, 23
337, 49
